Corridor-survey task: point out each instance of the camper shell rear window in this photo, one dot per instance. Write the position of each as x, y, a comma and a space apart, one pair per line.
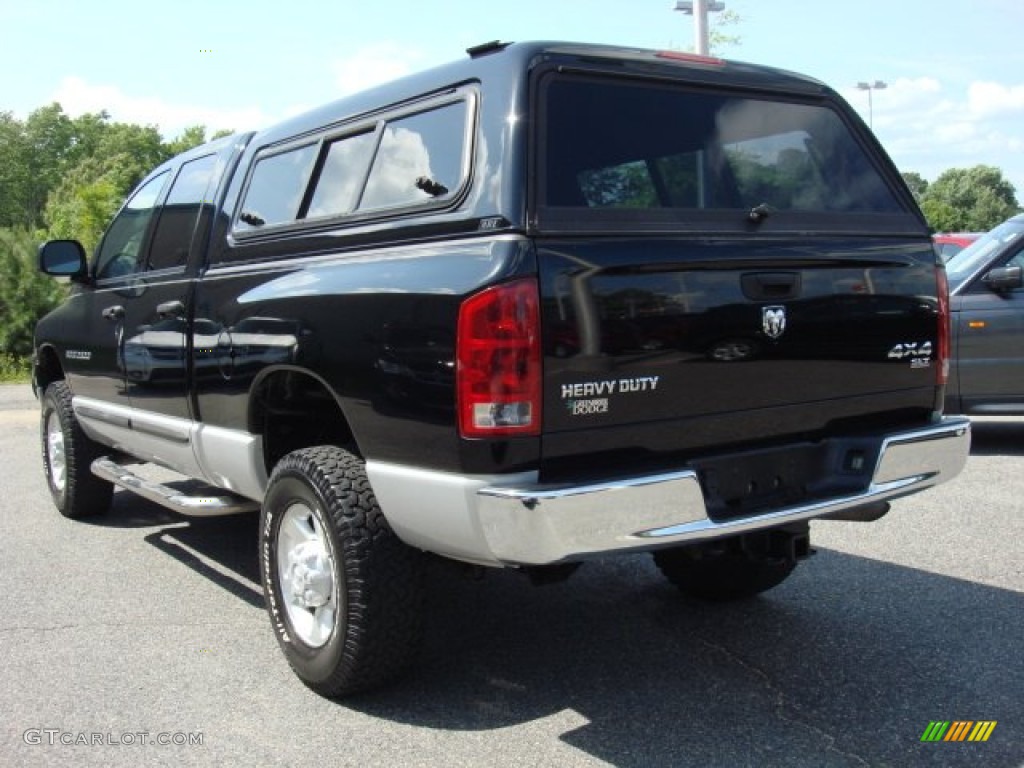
618, 153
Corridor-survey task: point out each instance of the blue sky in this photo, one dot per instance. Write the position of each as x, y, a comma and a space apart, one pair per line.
955, 70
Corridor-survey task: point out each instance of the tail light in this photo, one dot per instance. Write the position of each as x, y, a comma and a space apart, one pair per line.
942, 374
498, 373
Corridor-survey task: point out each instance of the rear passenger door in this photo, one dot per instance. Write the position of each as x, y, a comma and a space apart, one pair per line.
157, 317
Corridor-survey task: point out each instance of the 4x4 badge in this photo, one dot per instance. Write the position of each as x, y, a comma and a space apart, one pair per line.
773, 321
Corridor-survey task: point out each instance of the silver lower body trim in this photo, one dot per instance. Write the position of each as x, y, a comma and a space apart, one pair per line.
226, 458
437, 511
513, 520
155, 437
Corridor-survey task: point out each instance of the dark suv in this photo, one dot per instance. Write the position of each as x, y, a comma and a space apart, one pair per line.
987, 303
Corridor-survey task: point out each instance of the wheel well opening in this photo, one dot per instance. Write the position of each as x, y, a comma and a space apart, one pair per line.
294, 410
47, 368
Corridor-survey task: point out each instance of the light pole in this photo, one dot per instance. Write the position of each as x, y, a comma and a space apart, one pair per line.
878, 85
699, 10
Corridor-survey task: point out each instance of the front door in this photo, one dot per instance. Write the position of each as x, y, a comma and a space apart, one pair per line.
96, 327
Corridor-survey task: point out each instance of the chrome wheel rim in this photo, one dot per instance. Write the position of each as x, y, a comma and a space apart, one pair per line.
56, 457
305, 571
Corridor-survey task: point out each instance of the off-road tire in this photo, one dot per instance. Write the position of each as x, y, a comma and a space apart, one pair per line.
377, 579
67, 456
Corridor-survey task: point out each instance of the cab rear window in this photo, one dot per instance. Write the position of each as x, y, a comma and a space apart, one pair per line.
633, 151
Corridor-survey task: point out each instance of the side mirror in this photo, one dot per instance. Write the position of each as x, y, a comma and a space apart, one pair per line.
63, 258
1004, 278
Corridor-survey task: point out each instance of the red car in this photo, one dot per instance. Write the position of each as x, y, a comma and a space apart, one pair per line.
948, 243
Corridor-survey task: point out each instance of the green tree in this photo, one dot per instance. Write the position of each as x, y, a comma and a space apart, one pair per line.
48, 140
941, 216
70, 174
192, 136
36, 155
717, 37
25, 293
128, 152
917, 183
81, 207
14, 173
113, 159
969, 199
90, 191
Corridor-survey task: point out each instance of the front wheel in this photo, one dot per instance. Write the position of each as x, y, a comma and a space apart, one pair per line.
67, 456
722, 570
344, 594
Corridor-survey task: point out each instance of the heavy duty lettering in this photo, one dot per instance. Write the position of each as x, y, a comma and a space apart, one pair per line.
610, 387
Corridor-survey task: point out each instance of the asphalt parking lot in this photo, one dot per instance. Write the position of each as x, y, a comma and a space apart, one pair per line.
144, 627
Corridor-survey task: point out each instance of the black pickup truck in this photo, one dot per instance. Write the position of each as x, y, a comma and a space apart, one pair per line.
550, 302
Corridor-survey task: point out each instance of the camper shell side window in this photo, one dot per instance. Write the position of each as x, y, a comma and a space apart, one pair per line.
406, 161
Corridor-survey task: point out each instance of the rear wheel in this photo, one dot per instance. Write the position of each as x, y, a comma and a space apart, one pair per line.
344, 593
67, 456
723, 570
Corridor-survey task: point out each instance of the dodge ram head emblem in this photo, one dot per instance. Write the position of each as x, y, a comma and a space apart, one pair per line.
773, 321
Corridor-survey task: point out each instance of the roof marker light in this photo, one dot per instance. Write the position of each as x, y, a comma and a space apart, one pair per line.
692, 58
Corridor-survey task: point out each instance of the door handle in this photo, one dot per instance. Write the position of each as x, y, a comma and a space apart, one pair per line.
170, 309
115, 312
771, 286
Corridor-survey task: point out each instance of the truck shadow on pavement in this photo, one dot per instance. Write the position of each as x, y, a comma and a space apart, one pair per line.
845, 664
222, 549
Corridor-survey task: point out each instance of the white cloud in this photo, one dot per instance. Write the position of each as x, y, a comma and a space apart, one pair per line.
905, 94
989, 99
954, 133
77, 97
374, 65
929, 126
366, 67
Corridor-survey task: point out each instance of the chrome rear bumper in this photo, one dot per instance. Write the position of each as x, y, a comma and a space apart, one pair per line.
521, 522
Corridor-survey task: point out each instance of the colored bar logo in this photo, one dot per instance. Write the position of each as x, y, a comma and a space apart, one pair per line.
959, 730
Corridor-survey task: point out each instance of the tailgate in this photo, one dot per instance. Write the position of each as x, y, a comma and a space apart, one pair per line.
667, 345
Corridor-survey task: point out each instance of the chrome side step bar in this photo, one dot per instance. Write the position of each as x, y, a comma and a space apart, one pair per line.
200, 500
